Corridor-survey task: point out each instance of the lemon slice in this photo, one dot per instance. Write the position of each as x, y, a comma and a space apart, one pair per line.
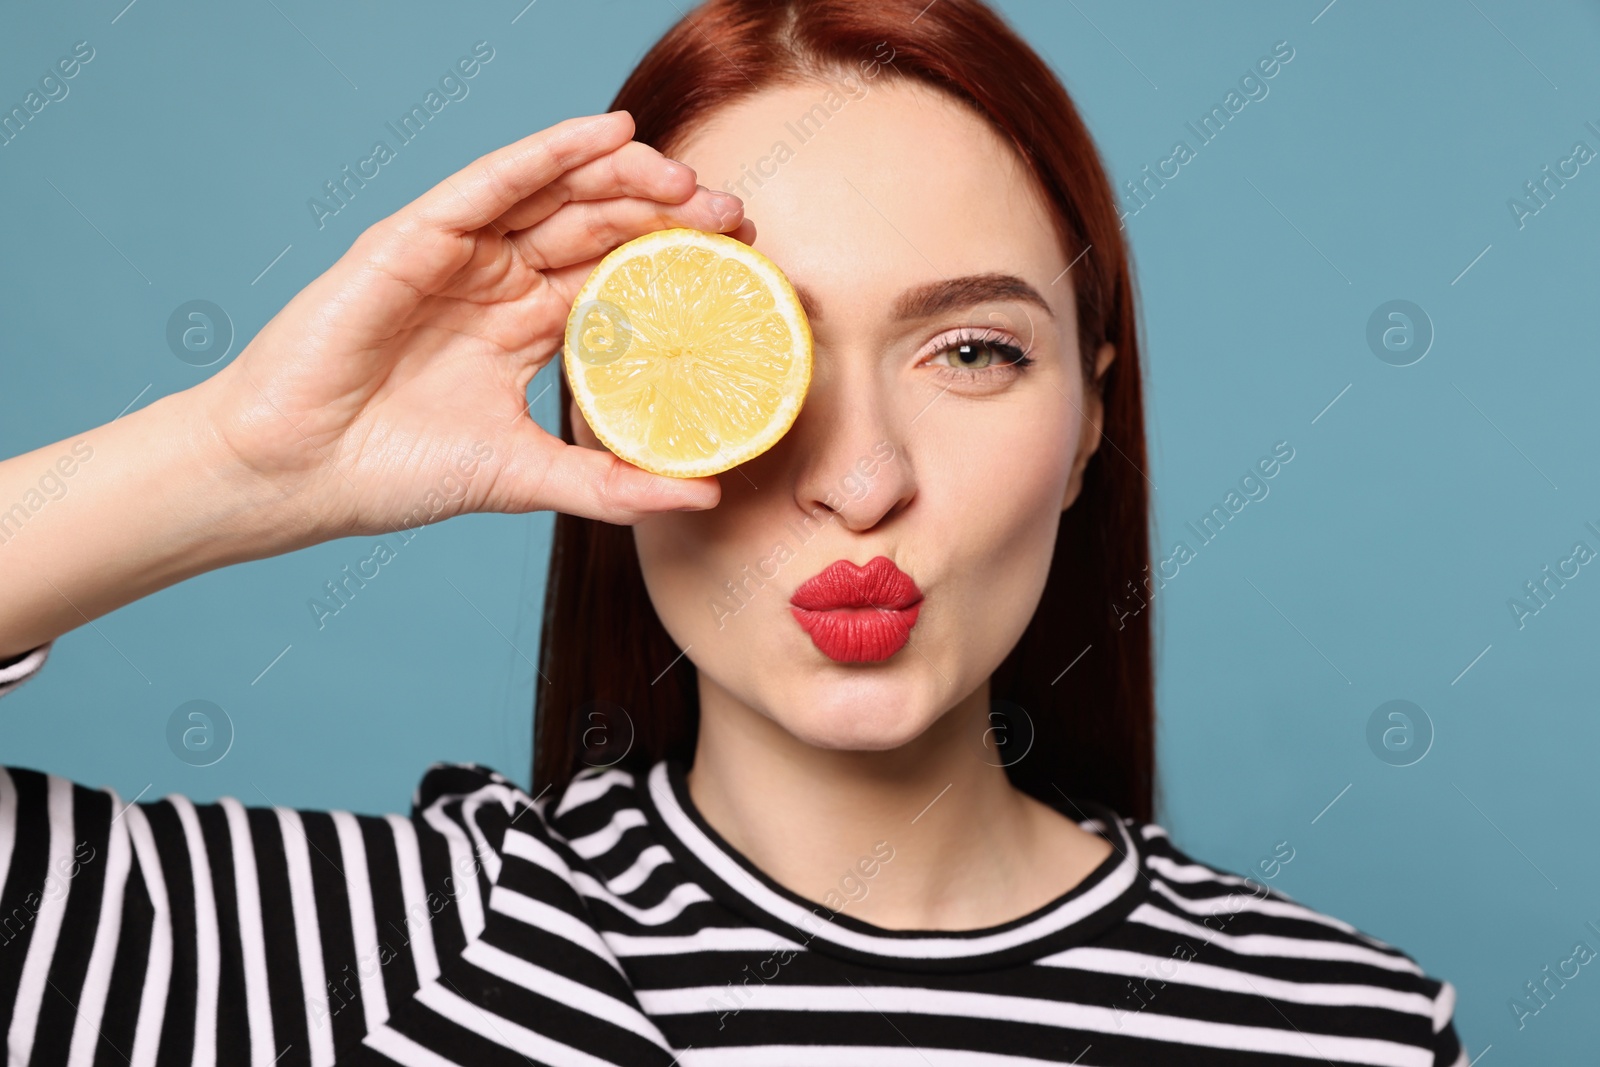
688, 352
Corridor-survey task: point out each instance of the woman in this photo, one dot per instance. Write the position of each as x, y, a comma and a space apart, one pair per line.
764, 829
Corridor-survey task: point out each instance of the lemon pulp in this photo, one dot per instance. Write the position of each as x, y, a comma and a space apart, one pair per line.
688, 352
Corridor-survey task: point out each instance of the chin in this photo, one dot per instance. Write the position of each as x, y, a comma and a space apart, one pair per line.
858, 722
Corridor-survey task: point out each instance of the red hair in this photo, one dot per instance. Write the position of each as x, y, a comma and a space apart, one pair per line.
1092, 726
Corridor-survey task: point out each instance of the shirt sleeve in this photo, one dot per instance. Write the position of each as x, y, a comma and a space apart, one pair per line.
161, 931
18, 669
1447, 1048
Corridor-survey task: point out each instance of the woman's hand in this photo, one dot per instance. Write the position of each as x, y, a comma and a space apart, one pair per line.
390, 392
360, 401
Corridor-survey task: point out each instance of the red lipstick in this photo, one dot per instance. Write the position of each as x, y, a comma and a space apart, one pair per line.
858, 614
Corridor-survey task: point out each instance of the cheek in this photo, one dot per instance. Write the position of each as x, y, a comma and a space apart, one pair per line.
1001, 473
673, 569
708, 572
993, 494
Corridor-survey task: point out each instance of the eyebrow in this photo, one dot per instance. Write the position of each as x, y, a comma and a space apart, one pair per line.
951, 294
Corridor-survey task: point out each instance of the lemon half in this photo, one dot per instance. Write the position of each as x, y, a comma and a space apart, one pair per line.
688, 352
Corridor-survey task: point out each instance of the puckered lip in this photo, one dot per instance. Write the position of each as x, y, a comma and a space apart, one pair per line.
842, 584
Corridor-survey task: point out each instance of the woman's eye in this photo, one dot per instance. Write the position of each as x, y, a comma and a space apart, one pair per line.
979, 354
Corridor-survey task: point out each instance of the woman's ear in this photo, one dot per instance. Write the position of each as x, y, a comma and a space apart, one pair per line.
1093, 415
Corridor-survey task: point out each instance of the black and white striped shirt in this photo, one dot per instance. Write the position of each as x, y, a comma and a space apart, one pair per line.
612, 925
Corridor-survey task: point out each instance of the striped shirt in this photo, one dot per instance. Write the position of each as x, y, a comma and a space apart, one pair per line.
610, 924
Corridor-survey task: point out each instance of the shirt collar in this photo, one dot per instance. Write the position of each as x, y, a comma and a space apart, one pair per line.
1095, 904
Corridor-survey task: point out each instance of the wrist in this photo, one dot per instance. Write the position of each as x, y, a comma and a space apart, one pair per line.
127, 508
230, 511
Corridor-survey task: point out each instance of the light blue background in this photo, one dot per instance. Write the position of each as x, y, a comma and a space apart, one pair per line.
1381, 564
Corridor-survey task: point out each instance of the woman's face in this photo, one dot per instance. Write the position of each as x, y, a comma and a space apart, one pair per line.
921, 248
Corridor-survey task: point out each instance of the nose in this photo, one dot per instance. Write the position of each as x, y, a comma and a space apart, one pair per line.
850, 455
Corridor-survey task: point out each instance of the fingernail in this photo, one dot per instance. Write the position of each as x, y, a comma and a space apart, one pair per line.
605, 120
727, 208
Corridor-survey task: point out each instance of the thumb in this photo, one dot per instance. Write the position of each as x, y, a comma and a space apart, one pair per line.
544, 473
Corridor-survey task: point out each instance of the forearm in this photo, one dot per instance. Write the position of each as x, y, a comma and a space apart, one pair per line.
115, 513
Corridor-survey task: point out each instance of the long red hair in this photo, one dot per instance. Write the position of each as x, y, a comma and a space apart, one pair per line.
608, 687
